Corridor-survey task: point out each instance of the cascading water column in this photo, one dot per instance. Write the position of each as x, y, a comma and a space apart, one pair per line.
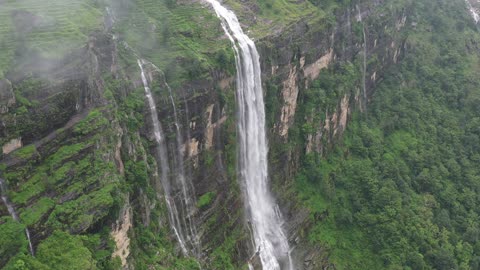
165, 169
270, 240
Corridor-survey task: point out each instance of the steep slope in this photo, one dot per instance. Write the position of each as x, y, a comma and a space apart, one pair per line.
371, 114
371, 205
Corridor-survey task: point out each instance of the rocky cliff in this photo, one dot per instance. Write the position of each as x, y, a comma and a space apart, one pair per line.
78, 149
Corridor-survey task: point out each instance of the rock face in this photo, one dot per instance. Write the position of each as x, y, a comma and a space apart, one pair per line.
7, 98
121, 238
313, 70
293, 60
289, 95
90, 123
12, 145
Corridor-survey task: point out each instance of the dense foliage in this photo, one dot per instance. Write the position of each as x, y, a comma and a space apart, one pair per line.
401, 190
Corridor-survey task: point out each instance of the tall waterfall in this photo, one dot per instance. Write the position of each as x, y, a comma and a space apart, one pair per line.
182, 224
13, 213
270, 240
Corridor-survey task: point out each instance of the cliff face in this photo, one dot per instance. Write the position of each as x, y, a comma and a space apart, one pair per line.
87, 112
79, 153
293, 63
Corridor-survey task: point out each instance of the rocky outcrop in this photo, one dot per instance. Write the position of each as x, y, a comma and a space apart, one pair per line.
7, 98
313, 70
289, 94
328, 131
120, 236
12, 145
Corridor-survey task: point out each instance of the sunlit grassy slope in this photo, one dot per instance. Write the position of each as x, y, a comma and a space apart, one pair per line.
180, 38
50, 27
265, 17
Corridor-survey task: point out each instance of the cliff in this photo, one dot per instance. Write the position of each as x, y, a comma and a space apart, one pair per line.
78, 145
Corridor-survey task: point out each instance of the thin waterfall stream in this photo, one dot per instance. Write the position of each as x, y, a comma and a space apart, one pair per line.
13, 213
187, 186
173, 214
364, 78
269, 236
180, 215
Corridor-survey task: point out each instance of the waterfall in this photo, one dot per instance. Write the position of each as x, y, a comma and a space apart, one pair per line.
364, 79
473, 11
270, 240
186, 183
13, 213
164, 166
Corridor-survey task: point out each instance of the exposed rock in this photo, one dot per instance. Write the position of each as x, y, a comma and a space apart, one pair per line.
12, 145
341, 116
7, 98
120, 236
118, 155
193, 148
225, 83
313, 70
290, 95
210, 128
401, 23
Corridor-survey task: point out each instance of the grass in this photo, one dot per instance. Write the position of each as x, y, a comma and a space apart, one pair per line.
181, 39
34, 213
51, 28
273, 15
206, 199
25, 152
93, 121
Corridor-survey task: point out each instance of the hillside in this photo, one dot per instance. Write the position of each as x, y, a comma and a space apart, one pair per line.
130, 140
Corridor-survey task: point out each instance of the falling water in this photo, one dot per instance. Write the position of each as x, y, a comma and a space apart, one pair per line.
186, 184
270, 240
473, 12
364, 79
165, 169
11, 210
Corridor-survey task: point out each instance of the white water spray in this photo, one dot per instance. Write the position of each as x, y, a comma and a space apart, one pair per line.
11, 211
473, 11
270, 240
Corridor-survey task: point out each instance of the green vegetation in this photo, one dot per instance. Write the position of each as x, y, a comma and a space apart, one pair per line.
206, 199
55, 253
25, 152
400, 190
12, 239
182, 39
40, 108
273, 15
69, 188
33, 214
50, 28
93, 121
